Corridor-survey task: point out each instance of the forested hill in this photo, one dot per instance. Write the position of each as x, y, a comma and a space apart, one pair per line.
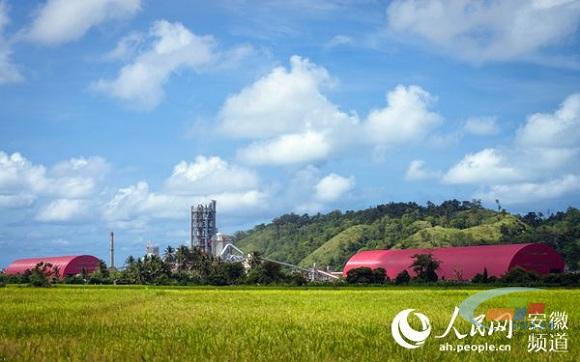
330, 239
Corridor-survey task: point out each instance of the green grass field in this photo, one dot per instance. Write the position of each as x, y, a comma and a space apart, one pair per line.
249, 324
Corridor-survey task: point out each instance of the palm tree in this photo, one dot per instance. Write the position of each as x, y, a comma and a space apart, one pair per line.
130, 261
182, 258
169, 256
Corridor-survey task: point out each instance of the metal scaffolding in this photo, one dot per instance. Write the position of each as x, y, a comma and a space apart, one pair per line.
203, 226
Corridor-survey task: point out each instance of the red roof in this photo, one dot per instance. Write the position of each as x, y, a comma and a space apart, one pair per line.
67, 265
464, 262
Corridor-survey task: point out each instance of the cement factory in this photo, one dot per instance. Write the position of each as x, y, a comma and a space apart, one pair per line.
457, 263
203, 235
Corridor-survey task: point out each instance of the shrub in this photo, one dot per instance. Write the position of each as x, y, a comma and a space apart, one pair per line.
519, 275
362, 275
482, 277
564, 279
266, 272
380, 276
403, 277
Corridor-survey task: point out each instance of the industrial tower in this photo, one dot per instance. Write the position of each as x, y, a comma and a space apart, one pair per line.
203, 226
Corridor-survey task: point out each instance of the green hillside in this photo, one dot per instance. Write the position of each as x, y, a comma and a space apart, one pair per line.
330, 239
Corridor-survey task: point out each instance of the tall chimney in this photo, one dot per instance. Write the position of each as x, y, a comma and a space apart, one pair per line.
112, 252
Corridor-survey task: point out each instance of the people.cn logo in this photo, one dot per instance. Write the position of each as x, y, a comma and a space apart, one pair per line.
405, 335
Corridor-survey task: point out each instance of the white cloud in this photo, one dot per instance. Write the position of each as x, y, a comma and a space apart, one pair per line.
290, 120
332, 187
9, 72
339, 40
209, 175
22, 182
542, 163
171, 47
63, 210
287, 149
533, 191
136, 204
487, 30
417, 171
482, 126
17, 174
405, 119
484, 167
16, 200
558, 129
127, 47
311, 191
236, 190
283, 101
63, 21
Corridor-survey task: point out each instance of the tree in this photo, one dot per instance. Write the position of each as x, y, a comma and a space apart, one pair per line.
182, 258
43, 275
481, 277
425, 266
519, 275
99, 276
130, 261
403, 277
380, 276
266, 272
169, 256
361, 275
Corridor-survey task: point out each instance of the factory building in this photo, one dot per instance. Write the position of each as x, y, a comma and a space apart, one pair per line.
203, 227
463, 263
67, 265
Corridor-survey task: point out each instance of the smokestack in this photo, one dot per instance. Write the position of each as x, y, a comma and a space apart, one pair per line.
112, 252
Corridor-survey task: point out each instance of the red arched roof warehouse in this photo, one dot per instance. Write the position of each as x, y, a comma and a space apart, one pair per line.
67, 265
464, 262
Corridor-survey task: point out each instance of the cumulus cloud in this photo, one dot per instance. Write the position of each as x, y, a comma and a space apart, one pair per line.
405, 119
484, 31
63, 210
9, 72
287, 149
16, 200
171, 47
209, 175
290, 120
533, 191
22, 182
63, 21
207, 178
558, 129
283, 101
482, 126
310, 191
541, 163
417, 171
486, 166
332, 187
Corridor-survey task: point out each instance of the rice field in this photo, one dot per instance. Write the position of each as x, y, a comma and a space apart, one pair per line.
250, 324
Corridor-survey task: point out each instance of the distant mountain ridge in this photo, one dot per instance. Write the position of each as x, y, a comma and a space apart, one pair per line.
330, 239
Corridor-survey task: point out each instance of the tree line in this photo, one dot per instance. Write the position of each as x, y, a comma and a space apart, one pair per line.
180, 266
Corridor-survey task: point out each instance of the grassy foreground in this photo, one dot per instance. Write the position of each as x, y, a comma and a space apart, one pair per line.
257, 324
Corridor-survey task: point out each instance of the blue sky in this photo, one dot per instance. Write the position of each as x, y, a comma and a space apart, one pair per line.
118, 115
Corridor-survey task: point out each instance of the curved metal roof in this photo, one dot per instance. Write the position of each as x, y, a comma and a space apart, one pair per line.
463, 263
67, 265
